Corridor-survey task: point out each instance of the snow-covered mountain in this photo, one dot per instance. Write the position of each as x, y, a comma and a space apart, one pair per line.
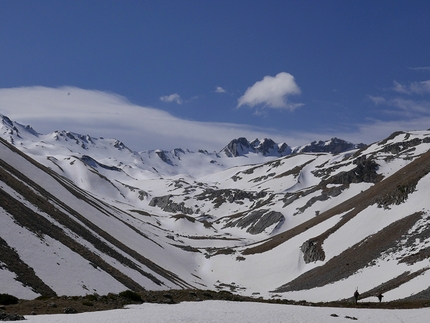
81, 215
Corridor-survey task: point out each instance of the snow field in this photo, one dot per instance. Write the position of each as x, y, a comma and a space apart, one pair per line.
223, 311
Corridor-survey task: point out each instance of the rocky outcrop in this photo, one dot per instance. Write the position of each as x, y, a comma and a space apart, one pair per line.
258, 221
236, 147
365, 171
312, 251
163, 157
94, 163
326, 194
395, 196
218, 197
265, 147
11, 317
334, 146
164, 203
398, 147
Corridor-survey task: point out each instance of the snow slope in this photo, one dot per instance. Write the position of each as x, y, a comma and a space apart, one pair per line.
304, 224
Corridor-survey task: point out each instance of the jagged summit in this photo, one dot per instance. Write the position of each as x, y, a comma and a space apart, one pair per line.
266, 147
334, 146
239, 147
156, 162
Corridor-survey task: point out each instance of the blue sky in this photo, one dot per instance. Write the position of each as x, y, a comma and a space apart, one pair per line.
295, 71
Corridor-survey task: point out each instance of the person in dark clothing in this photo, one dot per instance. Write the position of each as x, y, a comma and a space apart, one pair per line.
356, 295
380, 297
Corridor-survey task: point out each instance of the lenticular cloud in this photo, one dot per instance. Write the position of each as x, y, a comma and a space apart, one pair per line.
271, 91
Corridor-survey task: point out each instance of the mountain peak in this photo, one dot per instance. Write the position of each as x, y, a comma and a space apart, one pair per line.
6, 121
266, 147
13, 128
334, 145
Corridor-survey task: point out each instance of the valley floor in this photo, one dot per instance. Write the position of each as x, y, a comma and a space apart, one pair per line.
227, 311
95, 303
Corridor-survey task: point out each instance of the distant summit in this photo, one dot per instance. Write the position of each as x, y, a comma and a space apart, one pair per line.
333, 146
12, 128
267, 147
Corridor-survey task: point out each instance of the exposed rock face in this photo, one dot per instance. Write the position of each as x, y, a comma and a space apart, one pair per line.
94, 163
142, 195
161, 201
396, 196
266, 147
218, 197
258, 221
167, 205
334, 146
177, 152
284, 149
70, 310
397, 147
312, 251
236, 146
11, 317
163, 157
120, 145
365, 171
325, 195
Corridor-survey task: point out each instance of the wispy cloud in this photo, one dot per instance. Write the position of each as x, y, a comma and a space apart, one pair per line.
377, 100
404, 106
408, 108
219, 89
175, 97
272, 92
422, 87
376, 130
409, 103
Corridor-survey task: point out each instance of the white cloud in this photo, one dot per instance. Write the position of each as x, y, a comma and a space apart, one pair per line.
175, 97
379, 129
101, 114
413, 88
406, 109
400, 88
377, 100
272, 92
219, 89
409, 107
368, 132
420, 87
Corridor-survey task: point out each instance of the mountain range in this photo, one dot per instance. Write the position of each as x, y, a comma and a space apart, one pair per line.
82, 215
